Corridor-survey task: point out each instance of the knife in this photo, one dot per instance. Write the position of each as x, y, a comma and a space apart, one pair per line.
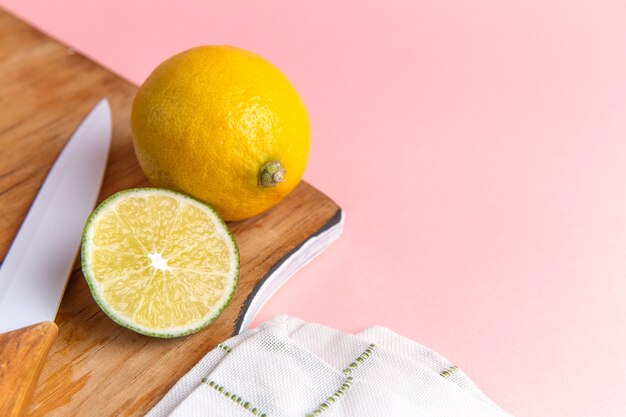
35, 270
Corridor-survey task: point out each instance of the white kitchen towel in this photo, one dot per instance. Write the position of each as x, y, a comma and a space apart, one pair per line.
289, 368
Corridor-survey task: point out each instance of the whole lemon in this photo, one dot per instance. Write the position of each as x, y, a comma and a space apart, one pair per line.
223, 125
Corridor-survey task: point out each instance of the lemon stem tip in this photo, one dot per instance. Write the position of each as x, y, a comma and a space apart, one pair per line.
271, 174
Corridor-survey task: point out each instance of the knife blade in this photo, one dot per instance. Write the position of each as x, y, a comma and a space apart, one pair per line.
35, 270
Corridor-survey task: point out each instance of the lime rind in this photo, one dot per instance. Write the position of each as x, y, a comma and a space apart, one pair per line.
175, 331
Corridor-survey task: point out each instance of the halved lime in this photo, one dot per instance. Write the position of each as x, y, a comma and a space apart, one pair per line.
158, 262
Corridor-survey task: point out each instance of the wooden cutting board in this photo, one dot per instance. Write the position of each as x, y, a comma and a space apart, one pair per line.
97, 368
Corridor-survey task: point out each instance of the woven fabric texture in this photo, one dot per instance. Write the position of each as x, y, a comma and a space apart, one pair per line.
289, 368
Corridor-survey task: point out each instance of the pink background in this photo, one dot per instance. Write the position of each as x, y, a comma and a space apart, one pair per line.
479, 150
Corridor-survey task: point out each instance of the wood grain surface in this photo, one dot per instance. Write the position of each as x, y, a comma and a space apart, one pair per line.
22, 355
95, 367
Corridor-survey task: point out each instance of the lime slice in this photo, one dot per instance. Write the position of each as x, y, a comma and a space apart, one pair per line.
158, 262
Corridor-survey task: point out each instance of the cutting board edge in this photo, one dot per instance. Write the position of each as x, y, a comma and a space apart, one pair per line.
336, 219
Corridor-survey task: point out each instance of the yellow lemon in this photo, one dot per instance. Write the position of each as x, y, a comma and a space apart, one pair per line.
223, 125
